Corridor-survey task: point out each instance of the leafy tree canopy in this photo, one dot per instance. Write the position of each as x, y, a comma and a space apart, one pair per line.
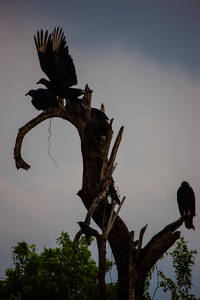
53, 274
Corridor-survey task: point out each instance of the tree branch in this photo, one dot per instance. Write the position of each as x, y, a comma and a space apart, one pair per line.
94, 205
77, 114
112, 219
53, 113
140, 241
20, 163
88, 217
87, 99
114, 152
158, 245
105, 150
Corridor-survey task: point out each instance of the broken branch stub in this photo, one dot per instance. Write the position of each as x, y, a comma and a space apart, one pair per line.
114, 152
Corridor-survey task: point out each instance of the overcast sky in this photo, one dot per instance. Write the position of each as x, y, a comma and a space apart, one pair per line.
142, 60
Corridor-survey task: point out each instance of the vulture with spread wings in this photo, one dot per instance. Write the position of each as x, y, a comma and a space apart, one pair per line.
57, 64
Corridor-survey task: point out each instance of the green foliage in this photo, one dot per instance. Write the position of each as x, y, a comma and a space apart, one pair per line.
148, 280
112, 290
53, 274
183, 262
148, 283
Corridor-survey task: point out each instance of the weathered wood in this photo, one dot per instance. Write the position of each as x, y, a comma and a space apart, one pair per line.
114, 152
112, 219
52, 113
102, 268
140, 241
109, 226
153, 251
75, 242
104, 152
103, 108
94, 205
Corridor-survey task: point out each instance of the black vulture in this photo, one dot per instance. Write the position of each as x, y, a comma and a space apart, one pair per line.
57, 64
88, 231
186, 203
102, 120
43, 99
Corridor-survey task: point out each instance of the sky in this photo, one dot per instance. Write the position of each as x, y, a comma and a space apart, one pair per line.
142, 60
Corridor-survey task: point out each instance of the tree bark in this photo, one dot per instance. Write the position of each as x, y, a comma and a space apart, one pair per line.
133, 262
102, 268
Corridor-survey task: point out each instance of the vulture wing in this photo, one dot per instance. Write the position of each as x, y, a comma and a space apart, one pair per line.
63, 62
44, 48
191, 202
182, 201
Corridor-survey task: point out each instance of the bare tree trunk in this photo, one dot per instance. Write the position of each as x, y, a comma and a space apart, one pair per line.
133, 262
102, 268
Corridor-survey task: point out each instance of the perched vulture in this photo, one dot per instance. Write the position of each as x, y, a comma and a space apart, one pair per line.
186, 203
43, 99
88, 231
57, 64
102, 120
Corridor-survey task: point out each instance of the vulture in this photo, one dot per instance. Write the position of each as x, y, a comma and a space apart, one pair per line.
102, 120
88, 231
43, 99
186, 203
57, 64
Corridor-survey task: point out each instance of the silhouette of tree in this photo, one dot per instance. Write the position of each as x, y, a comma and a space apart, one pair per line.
133, 261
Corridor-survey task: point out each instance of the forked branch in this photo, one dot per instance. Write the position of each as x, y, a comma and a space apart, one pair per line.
157, 246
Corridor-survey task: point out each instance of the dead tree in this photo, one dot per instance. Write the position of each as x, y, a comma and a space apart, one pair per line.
133, 261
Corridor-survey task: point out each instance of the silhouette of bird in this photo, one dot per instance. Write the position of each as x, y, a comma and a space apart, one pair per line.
102, 120
186, 203
88, 231
43, 99
57, 64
